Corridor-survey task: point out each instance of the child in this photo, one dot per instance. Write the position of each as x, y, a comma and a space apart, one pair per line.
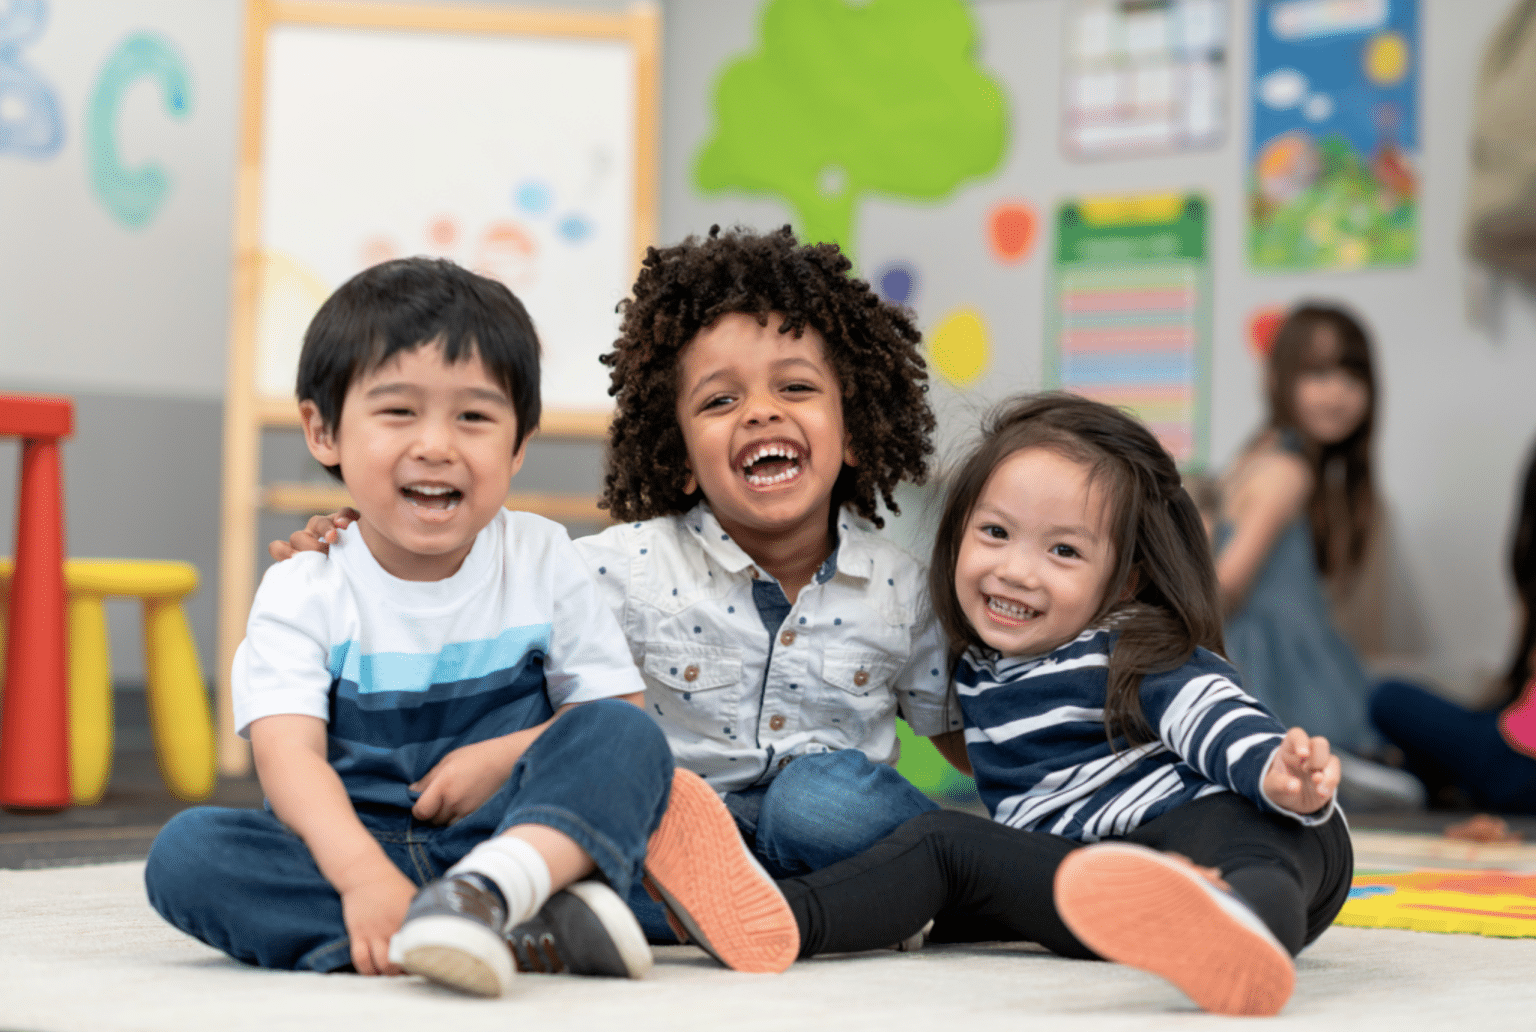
1489, 755
1298, 506
766, 401
447, 702
1110, 740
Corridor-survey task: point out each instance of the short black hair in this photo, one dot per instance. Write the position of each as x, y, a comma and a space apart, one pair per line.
871, 344
400, 305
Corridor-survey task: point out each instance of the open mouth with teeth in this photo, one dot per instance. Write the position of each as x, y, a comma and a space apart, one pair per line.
771, 464
1011, 610
432, 496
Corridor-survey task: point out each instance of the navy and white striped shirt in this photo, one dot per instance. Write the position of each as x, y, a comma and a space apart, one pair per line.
1034, 729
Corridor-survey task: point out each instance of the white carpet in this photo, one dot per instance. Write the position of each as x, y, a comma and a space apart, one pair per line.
81, 951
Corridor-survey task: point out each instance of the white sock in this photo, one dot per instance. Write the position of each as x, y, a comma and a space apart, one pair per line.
517, 870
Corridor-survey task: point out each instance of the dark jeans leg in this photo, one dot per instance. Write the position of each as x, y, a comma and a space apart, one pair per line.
243, 883
946, 866
1447, 744
1293, 876
601, 774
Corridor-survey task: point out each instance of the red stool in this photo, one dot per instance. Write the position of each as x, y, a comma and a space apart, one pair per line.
34, 723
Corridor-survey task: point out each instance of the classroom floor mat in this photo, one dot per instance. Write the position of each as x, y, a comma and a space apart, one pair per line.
1500, 904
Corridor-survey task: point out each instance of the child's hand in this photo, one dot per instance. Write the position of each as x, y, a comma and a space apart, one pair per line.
1304, 773
463, 780
373, 910
318, 535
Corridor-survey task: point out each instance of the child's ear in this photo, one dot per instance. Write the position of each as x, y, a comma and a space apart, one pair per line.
849, 458
691, 484
321, 441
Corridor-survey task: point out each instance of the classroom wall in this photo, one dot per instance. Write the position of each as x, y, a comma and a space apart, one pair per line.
132, 321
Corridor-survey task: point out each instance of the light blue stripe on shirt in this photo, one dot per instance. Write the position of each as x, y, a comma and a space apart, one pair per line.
460, 661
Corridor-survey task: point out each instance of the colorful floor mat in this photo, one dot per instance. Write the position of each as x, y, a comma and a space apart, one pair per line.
1493, 903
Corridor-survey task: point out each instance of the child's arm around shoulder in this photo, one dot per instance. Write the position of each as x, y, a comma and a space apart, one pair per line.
1268, 491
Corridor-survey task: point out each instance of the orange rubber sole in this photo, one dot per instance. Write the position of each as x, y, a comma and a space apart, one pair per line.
1141, 908
710, 882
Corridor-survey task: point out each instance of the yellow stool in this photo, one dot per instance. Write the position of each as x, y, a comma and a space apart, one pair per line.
174, 689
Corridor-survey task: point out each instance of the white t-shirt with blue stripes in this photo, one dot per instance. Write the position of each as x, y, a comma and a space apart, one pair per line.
1034, 730
404, 672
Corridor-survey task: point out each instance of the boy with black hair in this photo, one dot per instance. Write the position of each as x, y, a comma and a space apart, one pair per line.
444, 717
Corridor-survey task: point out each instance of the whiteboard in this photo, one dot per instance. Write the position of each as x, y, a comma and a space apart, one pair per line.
513, 155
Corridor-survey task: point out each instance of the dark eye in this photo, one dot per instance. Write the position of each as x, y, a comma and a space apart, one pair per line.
475, 417
717, 401
399, 412
1065, 551
992, 530
799, 388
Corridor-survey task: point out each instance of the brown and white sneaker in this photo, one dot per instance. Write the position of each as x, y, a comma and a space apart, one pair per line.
1153, 911
712, 885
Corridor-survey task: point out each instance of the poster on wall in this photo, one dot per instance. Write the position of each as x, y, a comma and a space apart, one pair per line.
1129, 313
1144, 77
1334, 154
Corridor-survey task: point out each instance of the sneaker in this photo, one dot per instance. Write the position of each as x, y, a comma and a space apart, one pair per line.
452, 935
1368, 785
1148, 910
915, 941
698, 865
585, 929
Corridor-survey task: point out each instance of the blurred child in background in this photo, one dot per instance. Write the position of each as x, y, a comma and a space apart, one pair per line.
1490, 755
1297, 508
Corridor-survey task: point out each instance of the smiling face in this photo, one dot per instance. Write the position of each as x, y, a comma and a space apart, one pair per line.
762, 419
427, 450
1036, 555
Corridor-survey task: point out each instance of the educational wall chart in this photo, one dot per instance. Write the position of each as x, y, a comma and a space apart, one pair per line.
370, 151
1333, 177
1144, 77
843, 100
1129, 314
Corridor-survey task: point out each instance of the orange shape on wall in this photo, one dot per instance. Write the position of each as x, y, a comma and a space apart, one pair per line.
1011, 231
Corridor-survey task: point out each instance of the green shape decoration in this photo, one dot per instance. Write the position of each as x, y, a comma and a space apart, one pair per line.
930, 773
132, 195
842, 100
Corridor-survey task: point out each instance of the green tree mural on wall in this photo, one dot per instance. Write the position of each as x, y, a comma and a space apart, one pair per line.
843, 99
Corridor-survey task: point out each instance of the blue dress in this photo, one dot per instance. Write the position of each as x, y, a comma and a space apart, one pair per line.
1291, 656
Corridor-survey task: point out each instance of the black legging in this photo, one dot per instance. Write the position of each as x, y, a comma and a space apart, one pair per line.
980, 881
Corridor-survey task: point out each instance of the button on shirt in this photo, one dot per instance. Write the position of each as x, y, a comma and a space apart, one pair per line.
738, 697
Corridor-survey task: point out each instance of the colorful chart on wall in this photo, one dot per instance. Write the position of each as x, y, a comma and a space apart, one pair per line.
1128, 320
513, 155
1144, 77
1334, 155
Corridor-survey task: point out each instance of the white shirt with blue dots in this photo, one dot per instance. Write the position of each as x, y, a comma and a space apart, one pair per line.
859, 647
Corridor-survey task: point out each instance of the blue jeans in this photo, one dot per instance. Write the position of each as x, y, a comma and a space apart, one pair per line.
243, 883
1447, 744
820, 809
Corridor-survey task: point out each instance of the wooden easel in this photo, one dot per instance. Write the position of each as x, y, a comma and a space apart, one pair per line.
248, 412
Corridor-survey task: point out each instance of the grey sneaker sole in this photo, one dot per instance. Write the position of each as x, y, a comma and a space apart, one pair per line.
454, 952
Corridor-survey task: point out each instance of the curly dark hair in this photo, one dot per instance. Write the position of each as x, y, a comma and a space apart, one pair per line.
871, 344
